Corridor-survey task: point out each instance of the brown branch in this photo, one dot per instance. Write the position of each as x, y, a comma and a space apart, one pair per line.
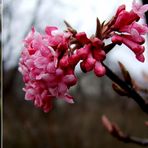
116, 132
131, 92
109, 47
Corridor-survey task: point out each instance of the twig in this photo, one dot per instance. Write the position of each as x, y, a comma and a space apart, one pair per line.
116, 132
109, 47
132, 93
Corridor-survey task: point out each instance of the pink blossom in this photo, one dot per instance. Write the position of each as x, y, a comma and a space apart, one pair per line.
136, 30
88, 64
92, 54
99, 69
120, 9
124, 18
135, 47
30, 36
44, 78
82, 38
139, 9
126, 29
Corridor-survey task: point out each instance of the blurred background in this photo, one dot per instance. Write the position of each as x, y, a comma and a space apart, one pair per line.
67, 126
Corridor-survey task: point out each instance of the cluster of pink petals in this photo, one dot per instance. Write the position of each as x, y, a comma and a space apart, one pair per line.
129, 32
92, 54
48, 68
44, 78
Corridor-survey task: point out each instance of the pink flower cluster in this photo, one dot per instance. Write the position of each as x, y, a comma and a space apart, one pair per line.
48, 69
92, 54
128, 31
48, 61
44, 78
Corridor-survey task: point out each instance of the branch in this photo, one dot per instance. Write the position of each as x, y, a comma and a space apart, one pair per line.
109, 47
116, 132
132, 93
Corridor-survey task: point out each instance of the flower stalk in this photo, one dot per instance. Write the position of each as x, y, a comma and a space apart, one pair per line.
131, 92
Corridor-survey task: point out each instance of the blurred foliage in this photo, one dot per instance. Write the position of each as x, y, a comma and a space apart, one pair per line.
70, 126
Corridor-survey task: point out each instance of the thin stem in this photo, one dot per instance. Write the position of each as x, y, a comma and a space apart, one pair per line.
139, 141
116, 132
132, 93
109, 47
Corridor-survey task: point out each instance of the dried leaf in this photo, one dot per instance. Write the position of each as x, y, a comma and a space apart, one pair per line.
98, 29
69, 27
111, 22
126, 74
67, 24
119, 90
103, 24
